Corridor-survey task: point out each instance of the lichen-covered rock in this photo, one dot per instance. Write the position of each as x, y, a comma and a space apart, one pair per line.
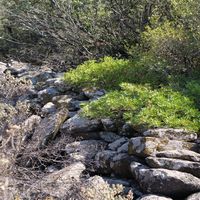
153, 197
195, 196
103, 160
146, 146
175, 164
96, 188
165, 182
180, 154
48, 128
143, 146
78, 125
85, 150
58, 183
172, 134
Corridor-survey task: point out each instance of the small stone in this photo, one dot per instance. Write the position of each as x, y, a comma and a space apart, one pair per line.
109, 136
116, 144
123, 148
48, 108
109, 125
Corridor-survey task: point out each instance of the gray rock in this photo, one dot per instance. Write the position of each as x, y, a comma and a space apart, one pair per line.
120, 164
103, 160
3, 67
48, 108
172, 134
77, 125
48, 129
128, 131
165, 182
109, 125
62, 100
146, 146
153, 197
85, 150
93, 93
109, 136
58, 183
116, 144
195, 196
123, 148
180, 154
47, 94
175, 164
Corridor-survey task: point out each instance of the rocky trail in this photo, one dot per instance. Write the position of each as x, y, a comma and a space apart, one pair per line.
65, 154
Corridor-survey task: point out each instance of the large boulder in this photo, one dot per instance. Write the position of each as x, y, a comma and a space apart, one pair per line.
180, 154
96, 188
145, 146
165, 182
48, 129
153, 197
172, 134
175, 164
58, 184
80, 126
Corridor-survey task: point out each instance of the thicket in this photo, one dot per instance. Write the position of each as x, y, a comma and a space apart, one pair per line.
122, 41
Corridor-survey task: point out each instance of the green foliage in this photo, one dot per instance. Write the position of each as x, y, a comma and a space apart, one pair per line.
109, 73
142, 106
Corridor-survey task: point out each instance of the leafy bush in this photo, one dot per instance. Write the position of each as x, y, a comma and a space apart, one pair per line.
109, 73
143, 107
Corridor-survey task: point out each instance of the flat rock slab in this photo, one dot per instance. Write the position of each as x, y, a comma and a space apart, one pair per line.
180, 154
175, 164
172, 134
153, 197
146, 146
165, 182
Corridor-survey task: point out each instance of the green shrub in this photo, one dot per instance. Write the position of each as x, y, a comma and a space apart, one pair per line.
143, 106
109, 73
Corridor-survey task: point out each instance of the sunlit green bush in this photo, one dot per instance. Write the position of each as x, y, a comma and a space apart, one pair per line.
109, 73
142, 106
